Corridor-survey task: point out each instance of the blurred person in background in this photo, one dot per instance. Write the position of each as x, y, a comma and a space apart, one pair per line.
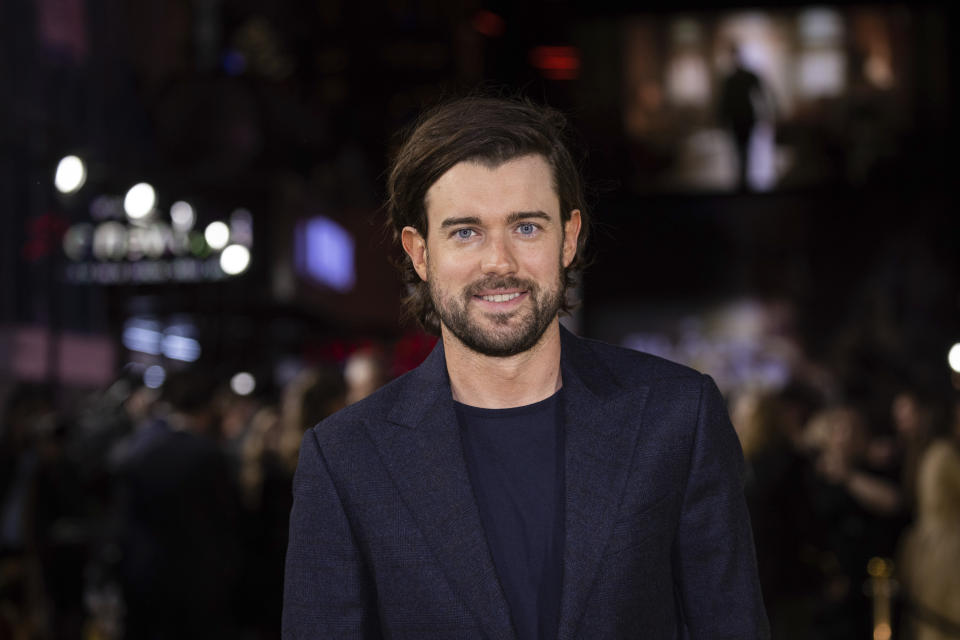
914, 421
179, 518
314, 394
929, 559
769, 425
855, 510
268, 458
265, 487
28, 416
133, 421
522, 482
237, 415
955, 421
62, 517
364, 372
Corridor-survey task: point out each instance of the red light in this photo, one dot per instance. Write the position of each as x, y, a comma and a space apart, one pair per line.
488, 23
556, 63
44, 234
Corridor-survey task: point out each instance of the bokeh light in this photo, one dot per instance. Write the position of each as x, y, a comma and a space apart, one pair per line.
235, 259
71, 174
182, 215
217, 235
243, 383
953, 357
154, 376
139, 201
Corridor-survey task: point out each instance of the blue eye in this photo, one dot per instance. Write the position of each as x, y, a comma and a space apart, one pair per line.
464, 234
527, 229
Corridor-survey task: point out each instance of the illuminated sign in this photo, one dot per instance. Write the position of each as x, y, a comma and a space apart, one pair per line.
113, 250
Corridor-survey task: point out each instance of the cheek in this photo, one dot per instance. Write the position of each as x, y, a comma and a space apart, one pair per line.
448, 272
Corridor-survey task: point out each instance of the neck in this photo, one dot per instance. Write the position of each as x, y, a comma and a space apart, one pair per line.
498, 383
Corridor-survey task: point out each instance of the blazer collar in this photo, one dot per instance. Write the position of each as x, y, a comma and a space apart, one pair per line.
424, 388
601, 419
420, 446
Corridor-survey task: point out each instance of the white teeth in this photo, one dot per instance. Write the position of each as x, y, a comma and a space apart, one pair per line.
501, 297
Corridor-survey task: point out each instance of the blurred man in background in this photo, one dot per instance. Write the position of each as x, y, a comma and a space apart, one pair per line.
179, 519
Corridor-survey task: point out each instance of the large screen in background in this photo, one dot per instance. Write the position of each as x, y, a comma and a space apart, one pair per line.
761, 100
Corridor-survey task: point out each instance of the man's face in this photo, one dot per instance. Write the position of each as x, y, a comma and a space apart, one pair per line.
494, 253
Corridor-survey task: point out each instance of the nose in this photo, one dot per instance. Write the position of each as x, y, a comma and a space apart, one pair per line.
498, 258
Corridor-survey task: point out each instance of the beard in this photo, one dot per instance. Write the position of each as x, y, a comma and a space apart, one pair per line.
512, 332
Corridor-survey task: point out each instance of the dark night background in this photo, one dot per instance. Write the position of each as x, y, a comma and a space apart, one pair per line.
841, 276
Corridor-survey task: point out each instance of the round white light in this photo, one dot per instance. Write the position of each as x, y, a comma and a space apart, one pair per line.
243, 383
954, 357
182, 215
139, 201
154, 376
71, 174
235, 259
217, 235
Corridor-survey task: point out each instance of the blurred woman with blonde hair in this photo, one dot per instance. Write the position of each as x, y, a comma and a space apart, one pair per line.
930, 554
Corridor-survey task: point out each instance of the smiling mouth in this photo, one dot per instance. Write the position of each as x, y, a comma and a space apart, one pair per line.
501, 297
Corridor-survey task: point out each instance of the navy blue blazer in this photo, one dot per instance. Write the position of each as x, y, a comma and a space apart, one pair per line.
386, 540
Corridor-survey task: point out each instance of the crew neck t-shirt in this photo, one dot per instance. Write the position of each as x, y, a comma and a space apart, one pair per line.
515, 462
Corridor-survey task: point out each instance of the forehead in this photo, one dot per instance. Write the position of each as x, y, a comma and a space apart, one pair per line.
472, 188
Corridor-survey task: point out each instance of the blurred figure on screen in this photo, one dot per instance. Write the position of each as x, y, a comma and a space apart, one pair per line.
745, 101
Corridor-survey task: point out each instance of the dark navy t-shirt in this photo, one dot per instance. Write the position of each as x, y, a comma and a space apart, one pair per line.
515, 461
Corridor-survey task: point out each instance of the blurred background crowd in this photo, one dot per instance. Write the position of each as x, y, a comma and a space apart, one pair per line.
194, 270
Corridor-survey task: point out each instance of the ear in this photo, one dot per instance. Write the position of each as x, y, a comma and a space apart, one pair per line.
571, 233
416, 247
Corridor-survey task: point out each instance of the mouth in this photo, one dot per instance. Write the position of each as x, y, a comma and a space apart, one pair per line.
500, 297
500, 300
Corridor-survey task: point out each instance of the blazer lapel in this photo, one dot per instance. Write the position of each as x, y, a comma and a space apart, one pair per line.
600, 422
421, 449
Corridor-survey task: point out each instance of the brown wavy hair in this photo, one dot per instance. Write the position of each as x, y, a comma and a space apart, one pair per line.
489, 130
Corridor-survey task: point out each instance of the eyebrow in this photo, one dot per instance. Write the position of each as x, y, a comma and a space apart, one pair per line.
514, 217
517, 216
453, 222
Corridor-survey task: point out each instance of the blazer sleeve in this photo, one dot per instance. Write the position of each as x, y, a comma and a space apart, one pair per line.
719, 590
327, 591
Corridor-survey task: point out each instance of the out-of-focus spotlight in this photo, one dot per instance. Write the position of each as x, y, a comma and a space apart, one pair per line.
217, 235
235, 259
243, 383
954, 357
154, 376
71, 174
182, 215
139, 201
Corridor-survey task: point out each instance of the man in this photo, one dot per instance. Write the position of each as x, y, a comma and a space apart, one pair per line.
522, 483
745, 102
